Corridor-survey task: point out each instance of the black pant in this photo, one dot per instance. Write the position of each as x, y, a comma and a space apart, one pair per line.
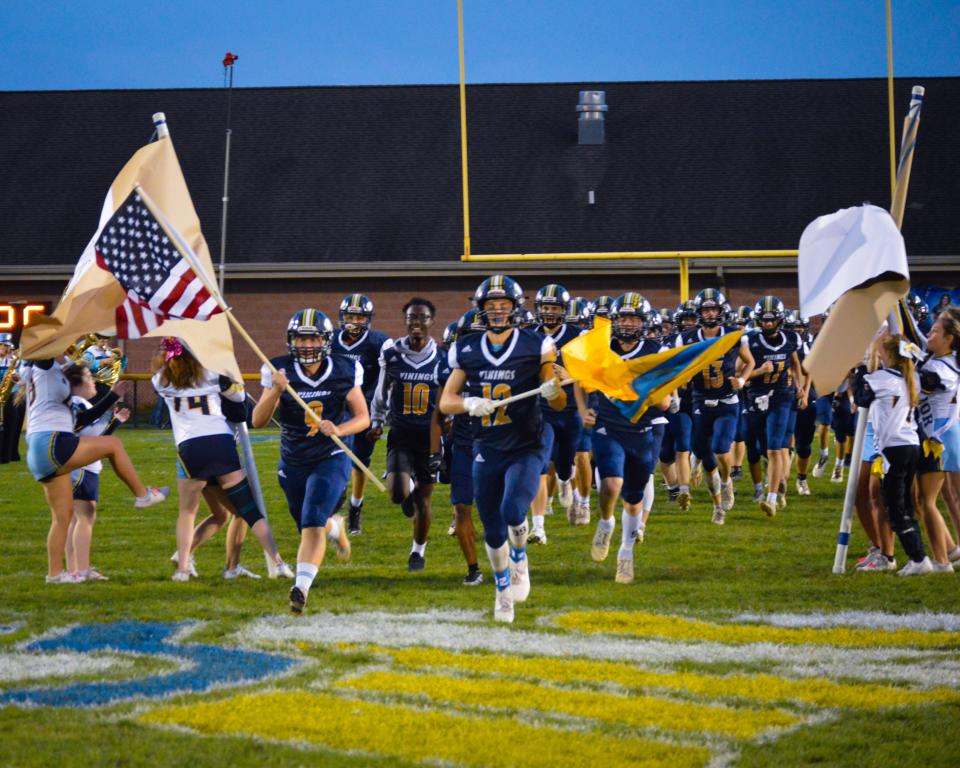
10, 432
897, 490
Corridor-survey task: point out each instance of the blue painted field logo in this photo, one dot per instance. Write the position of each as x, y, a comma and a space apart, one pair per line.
202, 667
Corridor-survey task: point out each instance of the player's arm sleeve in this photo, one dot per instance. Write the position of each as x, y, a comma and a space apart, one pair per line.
863, 394
94, 412
378, 406
231, 390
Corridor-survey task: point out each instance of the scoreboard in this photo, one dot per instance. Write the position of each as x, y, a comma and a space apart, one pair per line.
17, 315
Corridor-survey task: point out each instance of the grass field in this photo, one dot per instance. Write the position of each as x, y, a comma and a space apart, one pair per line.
734, 646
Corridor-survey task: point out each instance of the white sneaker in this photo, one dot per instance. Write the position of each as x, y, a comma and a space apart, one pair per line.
726, 495
64, 577
758, 495
179, 575
583, 513
768, 508
954, 555
154, 496
92, 574
837, 476
238, 572
624, 570
875, 562
641, 534
452, 530
821, 467
600, 547
342, 543
565, 494
284, 571
503, 605
781, 501
520, 580
538, 536
719, 516
916, 569
191, 569
803, 488
946, 567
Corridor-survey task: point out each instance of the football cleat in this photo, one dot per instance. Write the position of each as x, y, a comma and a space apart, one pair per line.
624, 570
768, 508
641, 533
758, 495
354, 526
583, 513
179, 575
781, 501
683, 500
407, 506
803, 488
565, 495
473, 578
284, 571
191, 568
452, 530
298, 599
719, 516
673, 495
520, 579
600, 547
837, 476
736, 473
342, 544
726, 495
821, 466
696, 476
538, 536
503, 606
415, 563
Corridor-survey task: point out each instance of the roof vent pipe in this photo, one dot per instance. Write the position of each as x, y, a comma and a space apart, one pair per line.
590, 125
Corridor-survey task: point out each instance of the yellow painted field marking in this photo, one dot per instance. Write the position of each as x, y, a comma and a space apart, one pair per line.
417, 735
636, 711
677, 628
762, 688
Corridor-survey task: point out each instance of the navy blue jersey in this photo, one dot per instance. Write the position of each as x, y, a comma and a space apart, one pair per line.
608, 415
685, 393
501, 374
464, 425
366, 350
779, 351
411, 386
563, 335
713, 383
301, 442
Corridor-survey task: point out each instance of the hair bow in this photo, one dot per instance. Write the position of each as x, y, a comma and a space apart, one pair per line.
171, 348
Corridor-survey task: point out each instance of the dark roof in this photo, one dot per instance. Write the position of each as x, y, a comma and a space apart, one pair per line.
355, 174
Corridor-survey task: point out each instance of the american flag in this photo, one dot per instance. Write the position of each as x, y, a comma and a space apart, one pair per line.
159, 282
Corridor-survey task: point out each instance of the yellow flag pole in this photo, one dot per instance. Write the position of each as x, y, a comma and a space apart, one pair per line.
187, 252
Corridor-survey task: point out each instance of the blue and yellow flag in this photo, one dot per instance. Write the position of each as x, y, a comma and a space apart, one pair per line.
638, 384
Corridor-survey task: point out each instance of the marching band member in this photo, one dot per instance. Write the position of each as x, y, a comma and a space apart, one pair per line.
508, 453
11, 409
54, 451
199, 401
313, 470
406, 398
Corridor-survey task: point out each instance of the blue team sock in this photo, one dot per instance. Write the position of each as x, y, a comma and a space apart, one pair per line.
502, 579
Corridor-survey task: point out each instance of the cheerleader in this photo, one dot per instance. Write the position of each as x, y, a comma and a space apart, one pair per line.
54, 451
90, 419
197, 399
891, 394
937, 416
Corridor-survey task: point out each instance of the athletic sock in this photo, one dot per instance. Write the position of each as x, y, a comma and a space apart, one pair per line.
499, 557
413, 485
628, 534
758, 487
306, 573
673, 488
607, 526
355, 502
684, 489
648, 493
517, 534
824, 453
419, 548
538, 522
771, 498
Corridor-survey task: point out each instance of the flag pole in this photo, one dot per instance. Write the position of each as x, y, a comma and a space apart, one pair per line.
187, 252
911, 125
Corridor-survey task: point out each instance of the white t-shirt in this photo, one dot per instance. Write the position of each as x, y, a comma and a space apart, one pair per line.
48, 399
196, 411
940, 405
891, 413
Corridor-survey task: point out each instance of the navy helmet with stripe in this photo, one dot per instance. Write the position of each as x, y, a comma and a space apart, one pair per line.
356, 304
499, 287
309, 323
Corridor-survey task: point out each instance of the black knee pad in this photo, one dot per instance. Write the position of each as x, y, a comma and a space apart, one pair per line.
243, 502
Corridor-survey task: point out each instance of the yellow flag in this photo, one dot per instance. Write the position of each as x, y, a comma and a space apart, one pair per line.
596, 367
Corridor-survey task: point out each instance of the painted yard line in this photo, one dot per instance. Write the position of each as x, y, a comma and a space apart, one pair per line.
760, 688
665, 715
926, 622
440, 629
37, 666
419, 735
678, 628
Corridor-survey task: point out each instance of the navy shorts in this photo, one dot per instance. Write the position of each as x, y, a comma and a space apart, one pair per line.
824, 406
566, 434
713, 431
806, 429
461, 475
585, 443
767, 430
408, 452
844, 422
627, 456
202, 458
86, 485
314, 492
505, 484
547, 437
363, 448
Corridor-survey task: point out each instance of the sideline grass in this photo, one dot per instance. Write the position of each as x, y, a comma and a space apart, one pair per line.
686, 567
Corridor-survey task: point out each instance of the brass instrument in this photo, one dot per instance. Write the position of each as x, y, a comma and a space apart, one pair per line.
107, 374
6, 386
76, 351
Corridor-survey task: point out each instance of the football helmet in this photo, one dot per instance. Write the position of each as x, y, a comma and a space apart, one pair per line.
309, 323
498, 287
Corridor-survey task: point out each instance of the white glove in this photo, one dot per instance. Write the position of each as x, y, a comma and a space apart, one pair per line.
762, 403
479, 406
550, 389
674, 404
